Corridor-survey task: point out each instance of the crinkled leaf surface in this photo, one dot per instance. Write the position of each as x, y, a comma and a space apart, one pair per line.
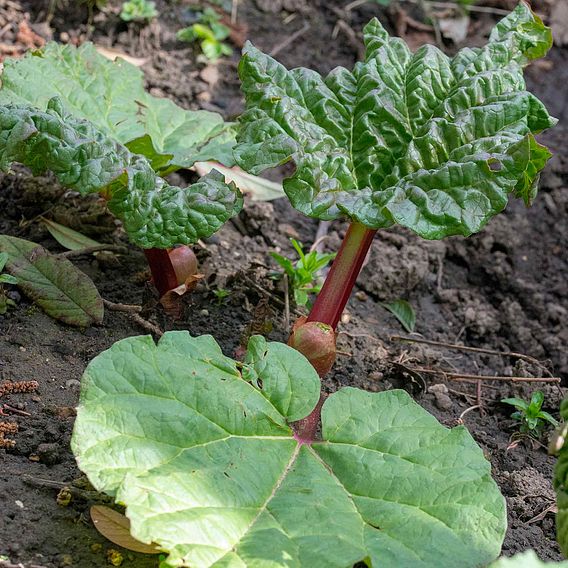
433, 143
55, 284
85, 158
111, 95
209, 469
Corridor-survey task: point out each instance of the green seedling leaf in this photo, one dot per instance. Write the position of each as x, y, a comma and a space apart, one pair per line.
527, 559
138, 11
82, 157
55, 284
209, 469
66, 237
433, 143
404, 313
111, 95
116, 528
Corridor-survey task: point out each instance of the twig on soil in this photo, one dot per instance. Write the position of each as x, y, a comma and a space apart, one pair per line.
12, 410
552, 508
458, 347
474, 407
95, 248
351, 36
234, 10
477, 378
76, 492
455, 5
321, 236
354, 4
132, 311
289, 40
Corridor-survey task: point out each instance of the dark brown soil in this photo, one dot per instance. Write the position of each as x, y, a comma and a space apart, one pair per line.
504, 289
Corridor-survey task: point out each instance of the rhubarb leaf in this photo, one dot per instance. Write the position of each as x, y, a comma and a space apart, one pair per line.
111, 95
84, 158
53, 283
210, 471
433, 143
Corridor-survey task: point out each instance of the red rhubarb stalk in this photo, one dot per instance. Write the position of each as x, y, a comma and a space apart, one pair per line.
315, 338
331, 301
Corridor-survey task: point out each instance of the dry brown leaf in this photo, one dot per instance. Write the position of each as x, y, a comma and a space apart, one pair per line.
112, 54
116, 528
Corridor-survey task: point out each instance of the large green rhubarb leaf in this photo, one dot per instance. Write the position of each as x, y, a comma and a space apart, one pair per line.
111, 95
433, 143
199, 449
88, 160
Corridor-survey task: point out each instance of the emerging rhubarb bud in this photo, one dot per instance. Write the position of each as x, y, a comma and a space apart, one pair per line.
184, 261
316, 341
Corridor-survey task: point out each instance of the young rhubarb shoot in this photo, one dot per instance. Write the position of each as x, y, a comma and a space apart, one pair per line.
430, 142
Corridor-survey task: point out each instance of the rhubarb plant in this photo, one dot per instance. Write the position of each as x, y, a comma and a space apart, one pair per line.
206, 455
90, 122
433, 143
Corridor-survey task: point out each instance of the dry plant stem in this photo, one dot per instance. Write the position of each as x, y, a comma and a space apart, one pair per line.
457, 347
133, 312
331, 301
163, 273
468, 377
95, 248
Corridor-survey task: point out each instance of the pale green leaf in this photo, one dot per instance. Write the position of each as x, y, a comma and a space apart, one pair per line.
404, 313
66, 237
53, 283
210, 471
433, 143
82, 157
111, 95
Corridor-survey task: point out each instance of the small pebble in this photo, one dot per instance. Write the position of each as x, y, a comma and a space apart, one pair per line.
72, 384
443, 401
204, 312
376, 376
361, 296
19, 504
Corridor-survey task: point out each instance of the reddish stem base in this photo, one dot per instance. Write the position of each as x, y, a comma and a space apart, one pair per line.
163, 273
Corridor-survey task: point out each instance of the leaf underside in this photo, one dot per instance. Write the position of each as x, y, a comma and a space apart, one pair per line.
111, 95
82, 157
433, 143
210, 471
54, 283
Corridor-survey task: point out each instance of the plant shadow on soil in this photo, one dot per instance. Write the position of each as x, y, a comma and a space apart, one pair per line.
505, 288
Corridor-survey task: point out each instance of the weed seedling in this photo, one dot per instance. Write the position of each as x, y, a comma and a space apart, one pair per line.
210, 32
5, 302
221, 294
138, 11
303, 275
532, 419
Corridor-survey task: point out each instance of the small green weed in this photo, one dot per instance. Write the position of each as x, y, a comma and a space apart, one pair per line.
532, 419
210, 32
303, 274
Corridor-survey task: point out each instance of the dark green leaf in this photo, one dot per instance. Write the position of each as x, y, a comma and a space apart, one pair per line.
404, 313
433, 143
82, 157
55, 284
516, 402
